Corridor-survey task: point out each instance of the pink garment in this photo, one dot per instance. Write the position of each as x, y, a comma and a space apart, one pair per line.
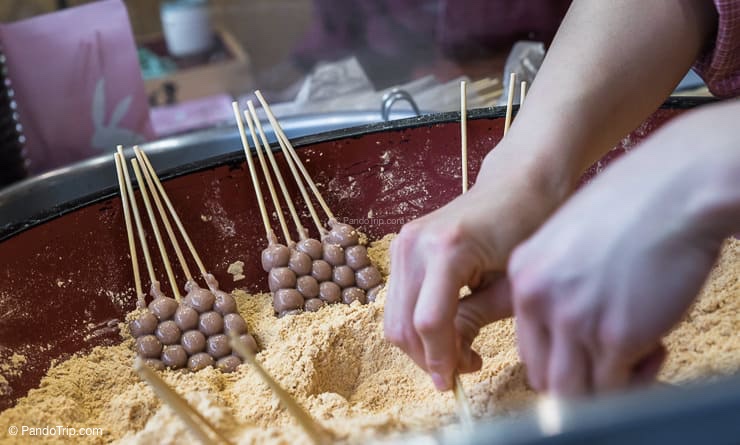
720, 65
77, 83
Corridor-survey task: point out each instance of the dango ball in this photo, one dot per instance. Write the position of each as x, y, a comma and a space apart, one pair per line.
275, 255
145, 324
281, 278
352, 294
311, 247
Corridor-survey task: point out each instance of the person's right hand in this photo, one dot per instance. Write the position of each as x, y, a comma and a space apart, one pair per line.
466, 242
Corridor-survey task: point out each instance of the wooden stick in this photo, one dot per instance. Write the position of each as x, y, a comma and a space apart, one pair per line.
522, 93
155, 229
291, 164
250, 162
464, 133
510, 103
140, 298
268, 179
143, 157
281, 135
165, 220
314, 431
302, 233
192, 418
137, 219
464, 411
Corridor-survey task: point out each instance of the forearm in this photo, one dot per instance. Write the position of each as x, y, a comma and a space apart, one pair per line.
610, 66
688, 173
714, 204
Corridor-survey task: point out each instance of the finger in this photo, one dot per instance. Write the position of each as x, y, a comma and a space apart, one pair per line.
434, 321
568, 374
482, 307
618, 355
403, 291
470, 361
533, 340
646, 370
611, 371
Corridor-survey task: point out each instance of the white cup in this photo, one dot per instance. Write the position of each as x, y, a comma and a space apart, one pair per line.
187, 27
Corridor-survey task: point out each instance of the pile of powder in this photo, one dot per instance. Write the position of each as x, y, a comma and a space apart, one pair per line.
337, 364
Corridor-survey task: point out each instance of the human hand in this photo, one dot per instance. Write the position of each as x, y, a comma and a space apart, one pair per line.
602, 281
466, 242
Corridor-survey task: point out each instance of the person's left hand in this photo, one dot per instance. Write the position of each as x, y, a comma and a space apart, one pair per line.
602, 281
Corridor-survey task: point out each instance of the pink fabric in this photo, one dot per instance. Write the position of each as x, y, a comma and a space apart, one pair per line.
194, 114
720, 65
77, 82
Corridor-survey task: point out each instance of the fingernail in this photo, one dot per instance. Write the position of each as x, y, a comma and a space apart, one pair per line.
439, 382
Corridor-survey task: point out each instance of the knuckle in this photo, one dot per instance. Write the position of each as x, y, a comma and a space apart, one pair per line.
451, 236
428, 323
394, 334
527, 297
517, 260
441, 366
408, 234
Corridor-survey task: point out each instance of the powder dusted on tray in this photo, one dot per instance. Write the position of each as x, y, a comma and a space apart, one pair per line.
338, 366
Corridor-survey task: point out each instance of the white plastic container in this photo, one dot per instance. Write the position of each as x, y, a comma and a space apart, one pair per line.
187, 27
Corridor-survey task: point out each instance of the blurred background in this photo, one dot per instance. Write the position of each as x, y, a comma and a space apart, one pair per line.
81, 76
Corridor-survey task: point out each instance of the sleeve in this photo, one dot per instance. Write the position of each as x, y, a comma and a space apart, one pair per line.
719, 65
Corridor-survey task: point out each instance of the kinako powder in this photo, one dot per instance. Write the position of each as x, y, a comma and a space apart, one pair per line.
338, 365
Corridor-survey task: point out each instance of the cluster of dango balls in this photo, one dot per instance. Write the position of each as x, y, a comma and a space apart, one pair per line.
193, 333
312, 273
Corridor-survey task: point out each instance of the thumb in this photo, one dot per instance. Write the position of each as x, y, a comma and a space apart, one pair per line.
484, 306
470, 361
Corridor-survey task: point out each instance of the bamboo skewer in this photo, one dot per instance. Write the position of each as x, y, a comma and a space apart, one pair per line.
250, 162
192, 418
137, 220
464, 133
268, 179
510, 102
144, 159
155, 229
292, 153
302, 233
314, 431
165, 221
140, 298
293, 170
464, 411
523, 92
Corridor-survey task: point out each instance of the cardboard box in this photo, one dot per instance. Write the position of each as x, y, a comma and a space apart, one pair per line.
201, 77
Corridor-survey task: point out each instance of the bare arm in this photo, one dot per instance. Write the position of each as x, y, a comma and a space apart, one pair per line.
611, 64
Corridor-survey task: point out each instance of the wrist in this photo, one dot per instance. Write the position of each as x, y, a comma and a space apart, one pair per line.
535, 166
521, 186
